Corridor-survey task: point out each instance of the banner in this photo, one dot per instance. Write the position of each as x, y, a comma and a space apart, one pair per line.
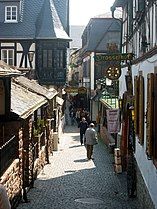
113, 124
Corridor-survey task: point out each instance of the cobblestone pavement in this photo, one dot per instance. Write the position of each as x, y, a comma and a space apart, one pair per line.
72, 182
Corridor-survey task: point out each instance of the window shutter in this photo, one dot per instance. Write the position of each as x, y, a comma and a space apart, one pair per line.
155, 119
141, 109
149, 115
136, 104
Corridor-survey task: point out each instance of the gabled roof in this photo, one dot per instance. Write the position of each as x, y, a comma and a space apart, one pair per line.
49, 24
39, 19
33, 86
8, 71
63, 13
23, 101
97, 29
119, 3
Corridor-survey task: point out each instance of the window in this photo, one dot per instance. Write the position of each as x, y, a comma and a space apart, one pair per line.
48, 59
11, 14
7, 55
59, 58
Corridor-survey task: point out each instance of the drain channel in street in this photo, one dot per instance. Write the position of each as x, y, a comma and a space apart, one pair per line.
89, 201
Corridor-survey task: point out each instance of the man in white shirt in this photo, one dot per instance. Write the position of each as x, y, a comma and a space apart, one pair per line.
91, 140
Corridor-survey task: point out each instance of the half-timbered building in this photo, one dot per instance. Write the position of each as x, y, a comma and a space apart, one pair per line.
29, 114
138, 95
34, 34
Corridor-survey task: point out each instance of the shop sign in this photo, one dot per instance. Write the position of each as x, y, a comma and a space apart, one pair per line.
113, 57
113, 124
71, 90
82, 90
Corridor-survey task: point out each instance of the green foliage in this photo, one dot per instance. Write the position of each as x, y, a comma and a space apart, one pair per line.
39, 127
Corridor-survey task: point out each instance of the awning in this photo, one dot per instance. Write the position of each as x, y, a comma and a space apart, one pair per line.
110, 102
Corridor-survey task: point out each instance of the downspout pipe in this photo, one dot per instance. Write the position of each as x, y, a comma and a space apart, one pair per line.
113, 8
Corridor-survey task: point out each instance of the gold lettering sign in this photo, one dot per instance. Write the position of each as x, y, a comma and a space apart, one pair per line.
113, 57
82, 90
71, 90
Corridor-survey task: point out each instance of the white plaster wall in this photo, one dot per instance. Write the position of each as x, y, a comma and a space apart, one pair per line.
92, 71
147, 168
19, 55
94, 110
122, 84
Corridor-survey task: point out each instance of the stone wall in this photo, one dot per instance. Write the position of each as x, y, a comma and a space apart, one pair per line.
40, 161
11, 180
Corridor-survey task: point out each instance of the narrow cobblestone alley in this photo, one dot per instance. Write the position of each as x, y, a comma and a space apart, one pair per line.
70, 181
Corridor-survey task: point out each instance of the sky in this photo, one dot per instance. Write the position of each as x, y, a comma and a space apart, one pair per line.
82, 10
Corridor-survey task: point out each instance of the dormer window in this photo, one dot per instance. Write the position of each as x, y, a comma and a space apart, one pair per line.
11, 14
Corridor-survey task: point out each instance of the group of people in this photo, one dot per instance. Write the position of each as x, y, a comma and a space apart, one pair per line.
76, 114
88, 136
81, 118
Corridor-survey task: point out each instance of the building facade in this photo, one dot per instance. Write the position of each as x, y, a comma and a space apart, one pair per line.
34, 34
101, 36
138, 90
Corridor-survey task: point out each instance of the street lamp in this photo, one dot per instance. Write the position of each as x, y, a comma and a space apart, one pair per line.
30, 58
99, 86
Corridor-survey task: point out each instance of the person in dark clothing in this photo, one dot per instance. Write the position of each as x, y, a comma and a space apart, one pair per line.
83, 125
72, 116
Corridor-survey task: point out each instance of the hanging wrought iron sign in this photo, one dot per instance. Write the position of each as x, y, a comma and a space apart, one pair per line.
113, 57
113, 72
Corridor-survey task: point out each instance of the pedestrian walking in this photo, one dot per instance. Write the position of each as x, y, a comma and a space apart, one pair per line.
78, 116
91, 140
72, 116
83, 125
